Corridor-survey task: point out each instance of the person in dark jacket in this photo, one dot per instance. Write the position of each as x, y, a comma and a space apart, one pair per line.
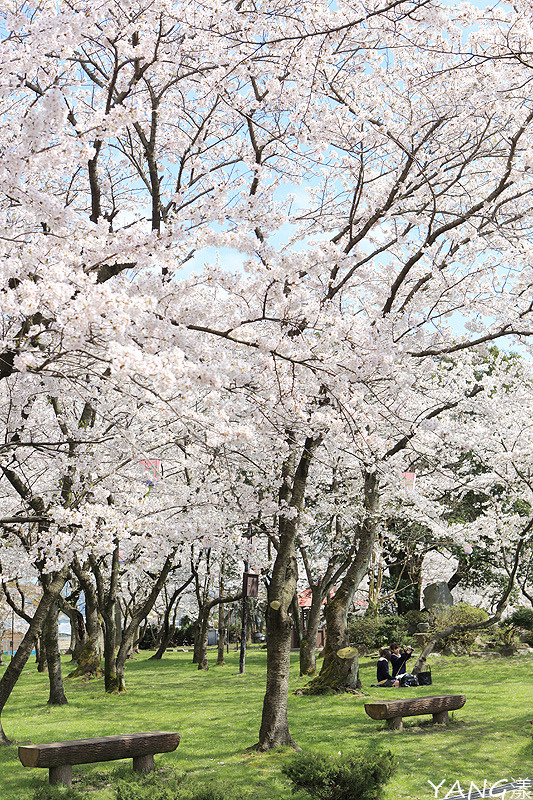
384, 676
398, 658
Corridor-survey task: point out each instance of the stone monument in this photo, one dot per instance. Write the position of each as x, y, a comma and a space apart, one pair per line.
437, 594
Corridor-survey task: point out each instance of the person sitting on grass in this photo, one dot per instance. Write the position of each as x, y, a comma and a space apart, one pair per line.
384, 676
398, 659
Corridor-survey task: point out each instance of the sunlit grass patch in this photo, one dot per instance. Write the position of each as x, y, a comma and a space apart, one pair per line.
218, 715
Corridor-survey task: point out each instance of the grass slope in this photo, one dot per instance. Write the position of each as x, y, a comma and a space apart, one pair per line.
218, 715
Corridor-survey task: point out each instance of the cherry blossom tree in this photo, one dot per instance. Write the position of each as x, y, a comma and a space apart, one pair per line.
370, 198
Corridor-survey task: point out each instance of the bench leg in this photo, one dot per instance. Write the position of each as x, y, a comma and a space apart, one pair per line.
396, 723
61, 774
441, 718
143, 763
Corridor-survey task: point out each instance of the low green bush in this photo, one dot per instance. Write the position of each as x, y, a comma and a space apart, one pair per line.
44, 791
392, 629
160, 784
167, 783
460, 614
206, 793
353, 776
413, 618
522, 618
371, 633
362, 633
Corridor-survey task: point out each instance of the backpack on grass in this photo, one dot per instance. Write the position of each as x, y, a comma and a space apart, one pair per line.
408, 680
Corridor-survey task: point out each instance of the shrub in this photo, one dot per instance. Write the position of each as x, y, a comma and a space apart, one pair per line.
206, 793
392, 629
413, 618
149, 637
44, 791
166, 783
362, 632
160, 784
183, 636
459, 614
355, 776
371, 633
522, 618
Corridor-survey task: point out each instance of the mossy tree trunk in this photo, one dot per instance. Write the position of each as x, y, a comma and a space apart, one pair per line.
274, 730
320, 588
51, 642
93, 622
20, 658
310, 634
89, 651
87, 661
99, 580
340, 670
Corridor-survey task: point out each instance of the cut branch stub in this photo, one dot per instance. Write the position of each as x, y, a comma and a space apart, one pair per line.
347, 652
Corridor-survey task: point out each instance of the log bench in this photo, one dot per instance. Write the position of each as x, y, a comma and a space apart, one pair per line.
393, 710
58, 757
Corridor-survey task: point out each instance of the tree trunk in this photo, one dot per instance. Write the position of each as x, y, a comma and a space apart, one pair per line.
203, 638
88, 652
274, 729
78, 631
244, 628
118, 622
134, 644
203, 624
53, 658
167, 630
165, 635
93, 622
197, 633
138, 613
110, 668
40, 654
308, 641
221, 635
221, 615
340, 670
20, 658
88, 662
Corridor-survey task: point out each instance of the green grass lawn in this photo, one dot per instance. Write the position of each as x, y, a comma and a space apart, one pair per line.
218, 714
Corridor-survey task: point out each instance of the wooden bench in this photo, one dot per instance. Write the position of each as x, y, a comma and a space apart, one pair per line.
58, 757
394, 710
